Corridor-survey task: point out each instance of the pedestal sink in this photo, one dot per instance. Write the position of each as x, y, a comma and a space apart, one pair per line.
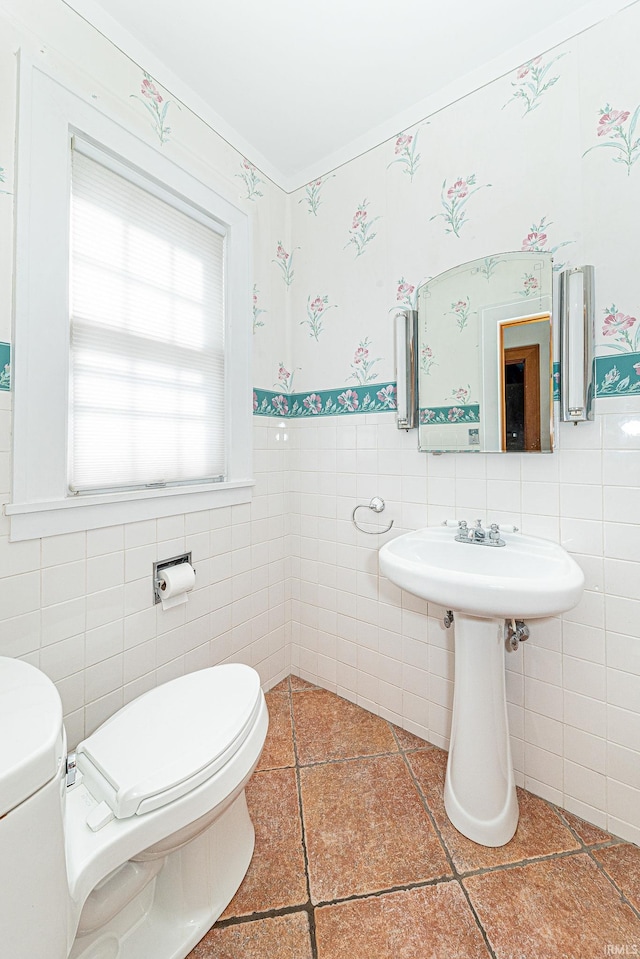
484, 585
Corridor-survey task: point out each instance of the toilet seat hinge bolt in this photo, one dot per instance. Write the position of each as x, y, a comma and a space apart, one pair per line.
71, 769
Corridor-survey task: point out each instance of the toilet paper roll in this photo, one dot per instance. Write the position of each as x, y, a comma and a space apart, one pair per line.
175, 582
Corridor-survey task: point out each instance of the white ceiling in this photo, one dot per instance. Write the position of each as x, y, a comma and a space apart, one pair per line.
299, 87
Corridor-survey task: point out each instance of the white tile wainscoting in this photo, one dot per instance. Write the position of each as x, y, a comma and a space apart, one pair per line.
573, 689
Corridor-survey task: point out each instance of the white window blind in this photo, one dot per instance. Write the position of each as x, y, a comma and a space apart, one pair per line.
147, 361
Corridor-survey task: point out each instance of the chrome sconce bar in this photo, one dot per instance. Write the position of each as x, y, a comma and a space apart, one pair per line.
576, 344
406, 347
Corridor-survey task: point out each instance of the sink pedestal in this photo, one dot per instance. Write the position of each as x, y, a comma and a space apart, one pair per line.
480, 795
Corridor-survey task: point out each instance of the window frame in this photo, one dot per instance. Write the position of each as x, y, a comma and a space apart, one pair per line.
49, 116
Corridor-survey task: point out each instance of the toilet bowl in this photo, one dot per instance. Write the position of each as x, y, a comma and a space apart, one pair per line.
140, 856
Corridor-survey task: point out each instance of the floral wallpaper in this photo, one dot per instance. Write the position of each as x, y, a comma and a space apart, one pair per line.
506, 168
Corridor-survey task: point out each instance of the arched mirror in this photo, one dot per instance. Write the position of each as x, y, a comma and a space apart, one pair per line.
485, 356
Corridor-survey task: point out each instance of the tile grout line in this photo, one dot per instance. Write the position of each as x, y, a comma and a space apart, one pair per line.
601, 868
590, 849
310, 910
456, 874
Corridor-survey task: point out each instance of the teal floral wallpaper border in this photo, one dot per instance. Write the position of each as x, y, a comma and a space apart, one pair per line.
436, 415
618, 375
356, 399
5, 366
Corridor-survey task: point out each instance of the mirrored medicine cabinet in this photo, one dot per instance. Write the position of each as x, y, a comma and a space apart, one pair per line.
484, 356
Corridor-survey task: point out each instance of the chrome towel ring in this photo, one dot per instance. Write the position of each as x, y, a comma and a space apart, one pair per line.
377, 505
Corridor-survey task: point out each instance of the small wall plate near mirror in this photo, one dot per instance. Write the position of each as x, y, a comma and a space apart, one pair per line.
485, 356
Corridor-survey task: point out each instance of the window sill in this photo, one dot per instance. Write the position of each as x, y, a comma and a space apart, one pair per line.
33, 520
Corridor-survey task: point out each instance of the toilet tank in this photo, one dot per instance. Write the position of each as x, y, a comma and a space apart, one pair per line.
32, 741
34, 899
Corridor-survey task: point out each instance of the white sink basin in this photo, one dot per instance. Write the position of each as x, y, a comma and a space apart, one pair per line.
527, 578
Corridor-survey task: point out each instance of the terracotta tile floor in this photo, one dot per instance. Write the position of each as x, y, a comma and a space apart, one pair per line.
356, 859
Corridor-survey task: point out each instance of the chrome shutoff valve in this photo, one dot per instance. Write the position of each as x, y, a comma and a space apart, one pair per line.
516, 631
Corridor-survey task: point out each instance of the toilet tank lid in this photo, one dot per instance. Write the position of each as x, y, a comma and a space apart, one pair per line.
32, 742
171, 739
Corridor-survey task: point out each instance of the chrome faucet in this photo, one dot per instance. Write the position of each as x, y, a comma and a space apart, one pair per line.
478, 535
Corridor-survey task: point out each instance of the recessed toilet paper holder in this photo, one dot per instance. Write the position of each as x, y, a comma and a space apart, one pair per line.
162, 564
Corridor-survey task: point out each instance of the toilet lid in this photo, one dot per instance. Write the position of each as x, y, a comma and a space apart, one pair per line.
171, 739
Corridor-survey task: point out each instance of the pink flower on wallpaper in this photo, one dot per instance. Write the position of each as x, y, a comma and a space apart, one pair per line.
636, 367
455, 414
531, 282
387, 396
618, 326
362, 365
403, 142
283, 373
312, 193
611, 119
534, 241
406, 294
358, 219
532, 81
461, 394
313, 402
251, 179
404, 290
349, 399
285, 261
148, 90
360, 354
459, 189
361, 225
617, 135
454, 200
405, 152
280, 405
316, 310
617, 322
255, 400
156, 106
525, 69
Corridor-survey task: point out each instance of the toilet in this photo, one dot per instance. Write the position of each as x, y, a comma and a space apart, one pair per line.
140, 855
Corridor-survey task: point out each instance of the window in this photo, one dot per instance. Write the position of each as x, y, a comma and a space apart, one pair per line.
132, 327
146, 403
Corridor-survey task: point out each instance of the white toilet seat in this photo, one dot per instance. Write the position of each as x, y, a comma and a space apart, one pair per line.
92, 855
147, 754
